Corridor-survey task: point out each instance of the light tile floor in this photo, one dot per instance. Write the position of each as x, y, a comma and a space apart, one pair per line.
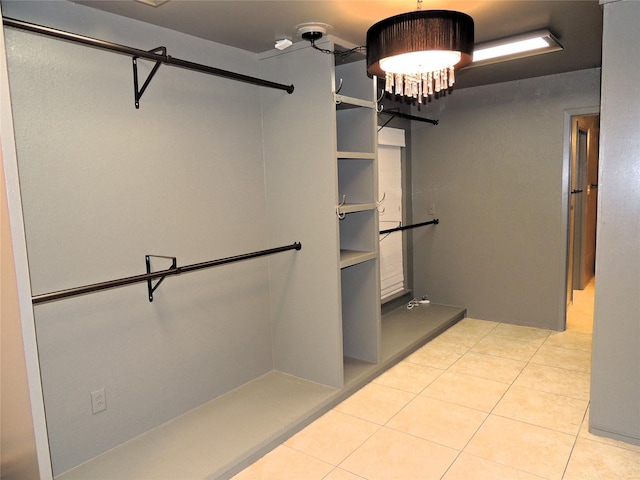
482, 401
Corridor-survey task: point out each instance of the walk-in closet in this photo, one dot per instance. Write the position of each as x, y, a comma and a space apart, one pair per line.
190, 232
197, 241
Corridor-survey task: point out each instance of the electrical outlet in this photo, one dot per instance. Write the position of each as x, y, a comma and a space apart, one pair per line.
98, 401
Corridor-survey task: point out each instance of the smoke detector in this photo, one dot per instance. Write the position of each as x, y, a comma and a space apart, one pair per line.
312, 31
283, 44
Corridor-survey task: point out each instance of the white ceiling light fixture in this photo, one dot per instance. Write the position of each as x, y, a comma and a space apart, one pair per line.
312, 31
520, 46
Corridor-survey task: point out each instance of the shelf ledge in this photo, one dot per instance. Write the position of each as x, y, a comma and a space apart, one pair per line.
356, 102
355, 207
341, 155
348, 258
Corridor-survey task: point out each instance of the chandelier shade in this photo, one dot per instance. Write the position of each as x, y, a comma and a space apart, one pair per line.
419, 49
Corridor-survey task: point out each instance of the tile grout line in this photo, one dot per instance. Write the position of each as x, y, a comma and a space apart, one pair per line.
575, 440
335, 467
575, 437
416, 395
461, 451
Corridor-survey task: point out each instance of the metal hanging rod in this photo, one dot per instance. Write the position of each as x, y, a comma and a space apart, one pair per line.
409, 117
408, 227
159, 55
174, 270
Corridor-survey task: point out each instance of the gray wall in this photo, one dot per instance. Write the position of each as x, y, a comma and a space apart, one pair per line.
615, 387
102, 185
494, 170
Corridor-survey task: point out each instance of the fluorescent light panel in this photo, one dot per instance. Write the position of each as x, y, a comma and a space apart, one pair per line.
534, 43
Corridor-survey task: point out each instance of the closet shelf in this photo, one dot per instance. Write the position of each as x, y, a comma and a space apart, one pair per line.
355, 155
406, 116
355, 207
343, 101
349, 258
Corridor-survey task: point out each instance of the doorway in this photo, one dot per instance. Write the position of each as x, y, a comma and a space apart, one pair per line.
583, 201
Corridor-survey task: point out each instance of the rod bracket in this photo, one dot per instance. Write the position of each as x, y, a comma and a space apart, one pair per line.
152, 288
138, 92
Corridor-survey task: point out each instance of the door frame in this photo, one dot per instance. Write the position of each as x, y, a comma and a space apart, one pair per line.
566, 204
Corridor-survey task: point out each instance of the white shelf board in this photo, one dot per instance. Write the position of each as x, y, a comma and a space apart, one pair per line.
355, 155
356, 207
356, 102
349, 258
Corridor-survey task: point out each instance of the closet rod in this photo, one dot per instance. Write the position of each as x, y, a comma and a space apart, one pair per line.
134, 52
73, 292
407, 227
410, 117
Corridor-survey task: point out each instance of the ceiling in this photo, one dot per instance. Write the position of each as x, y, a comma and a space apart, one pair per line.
255, 25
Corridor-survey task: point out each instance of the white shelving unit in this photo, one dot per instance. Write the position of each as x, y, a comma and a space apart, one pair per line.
322, 180
357, 174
